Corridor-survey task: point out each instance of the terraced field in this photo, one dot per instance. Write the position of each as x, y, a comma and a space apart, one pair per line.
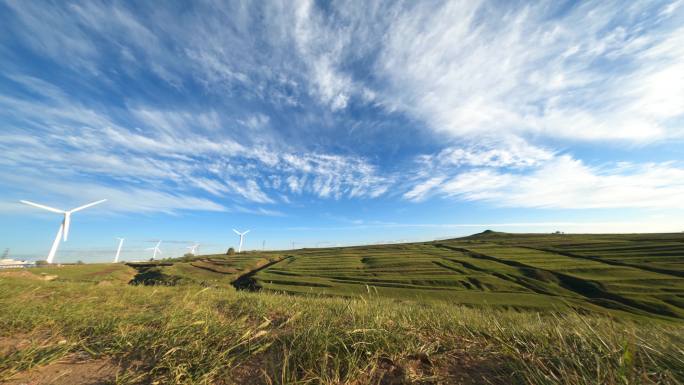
350, 319
639, 275
209, 270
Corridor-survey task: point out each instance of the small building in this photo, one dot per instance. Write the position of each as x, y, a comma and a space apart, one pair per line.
15, 264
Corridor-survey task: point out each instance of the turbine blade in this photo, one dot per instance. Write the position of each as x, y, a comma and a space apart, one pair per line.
67, 222
237, 232
48, 208
88, 205
245, 232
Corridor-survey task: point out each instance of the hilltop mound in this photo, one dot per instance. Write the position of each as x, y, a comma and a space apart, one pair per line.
489, 234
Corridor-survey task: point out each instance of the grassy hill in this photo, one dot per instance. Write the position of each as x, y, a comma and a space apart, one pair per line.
640, 275
490, 308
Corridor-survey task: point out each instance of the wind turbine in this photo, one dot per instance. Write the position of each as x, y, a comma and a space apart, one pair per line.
193, 248
64, 227
118, 250
242, 238
155, 249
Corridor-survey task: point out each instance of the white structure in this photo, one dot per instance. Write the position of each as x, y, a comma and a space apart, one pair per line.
9, 263
155, 250
193, 248
118, 250
242, 238
64, 227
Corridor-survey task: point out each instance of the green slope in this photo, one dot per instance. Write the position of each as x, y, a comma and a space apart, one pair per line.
635, 275
639, 275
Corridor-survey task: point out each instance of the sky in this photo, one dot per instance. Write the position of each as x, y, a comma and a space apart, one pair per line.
336, 123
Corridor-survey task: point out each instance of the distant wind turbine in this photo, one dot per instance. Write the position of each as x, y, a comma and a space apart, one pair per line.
155, 250
242, 238
118, 250
64, 227
193, 248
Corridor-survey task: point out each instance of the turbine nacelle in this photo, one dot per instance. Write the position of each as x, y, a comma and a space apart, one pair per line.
242, 237
155, 250
63, 231
193, 248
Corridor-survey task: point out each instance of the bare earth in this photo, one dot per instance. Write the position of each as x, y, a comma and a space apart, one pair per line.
69, 371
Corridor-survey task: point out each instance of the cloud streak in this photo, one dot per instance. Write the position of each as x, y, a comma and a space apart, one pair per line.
566, 183
247, 107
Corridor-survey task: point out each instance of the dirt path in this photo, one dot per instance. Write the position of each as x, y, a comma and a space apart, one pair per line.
247, 282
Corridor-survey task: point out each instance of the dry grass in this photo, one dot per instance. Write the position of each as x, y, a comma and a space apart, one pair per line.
194, 335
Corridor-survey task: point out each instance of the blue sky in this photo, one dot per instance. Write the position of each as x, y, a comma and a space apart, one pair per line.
336, 123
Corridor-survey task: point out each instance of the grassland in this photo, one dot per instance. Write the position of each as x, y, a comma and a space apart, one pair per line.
629, 275
100, 273
493, 308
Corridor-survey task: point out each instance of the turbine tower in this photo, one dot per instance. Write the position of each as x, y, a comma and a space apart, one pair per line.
193, 248
155, 250
242, 238
64, 227
118, 250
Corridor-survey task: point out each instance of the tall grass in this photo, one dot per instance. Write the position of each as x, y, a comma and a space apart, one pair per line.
194, 335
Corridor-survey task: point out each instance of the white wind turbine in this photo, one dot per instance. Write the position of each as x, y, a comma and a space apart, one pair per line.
118, 250
242, 238
155, 250
193, 248
64, 227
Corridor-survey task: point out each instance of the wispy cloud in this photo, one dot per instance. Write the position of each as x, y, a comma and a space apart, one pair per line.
233, 106
173, 154
647, 225
586, 73
565, 182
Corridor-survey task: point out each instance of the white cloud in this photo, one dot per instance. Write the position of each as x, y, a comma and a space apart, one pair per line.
495, 80
422, 189
513, 152
175, 152
321, 47
649, 224
567, 183
120, 198
473, 68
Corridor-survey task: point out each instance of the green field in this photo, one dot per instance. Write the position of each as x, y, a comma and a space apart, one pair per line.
640, 275
491, 308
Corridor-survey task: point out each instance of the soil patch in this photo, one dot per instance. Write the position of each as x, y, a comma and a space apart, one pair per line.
471, 370
11, 344
19, 274
69, 371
